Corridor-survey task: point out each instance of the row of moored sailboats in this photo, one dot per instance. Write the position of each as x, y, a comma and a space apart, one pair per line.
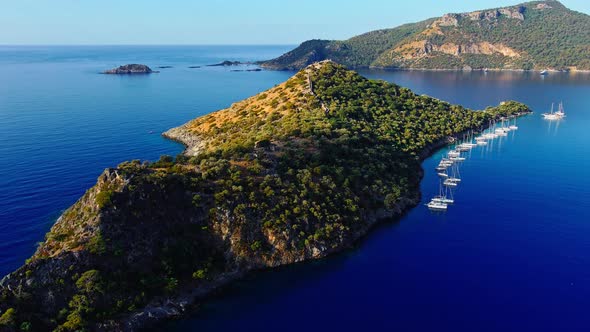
448, 167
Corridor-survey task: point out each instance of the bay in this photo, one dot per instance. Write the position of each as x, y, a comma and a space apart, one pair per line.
511, 254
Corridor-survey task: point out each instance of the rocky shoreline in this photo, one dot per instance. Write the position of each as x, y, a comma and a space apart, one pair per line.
539, 71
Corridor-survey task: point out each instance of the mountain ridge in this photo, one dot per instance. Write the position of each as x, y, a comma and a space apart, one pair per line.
535, 35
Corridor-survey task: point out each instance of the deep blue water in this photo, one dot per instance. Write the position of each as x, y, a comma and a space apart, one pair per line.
62, 123
512, 254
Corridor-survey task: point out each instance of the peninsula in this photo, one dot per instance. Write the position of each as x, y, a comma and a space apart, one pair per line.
294, 173
540, 35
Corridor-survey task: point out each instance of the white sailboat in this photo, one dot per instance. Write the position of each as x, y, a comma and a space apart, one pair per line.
554, 116
442, 199
514, 126
443, 195
454, 153
450, 183
437, 206
560, 111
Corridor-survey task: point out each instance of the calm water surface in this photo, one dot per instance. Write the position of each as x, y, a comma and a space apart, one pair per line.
62, 124
512, 254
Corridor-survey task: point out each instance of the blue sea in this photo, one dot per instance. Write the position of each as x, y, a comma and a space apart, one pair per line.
512, 254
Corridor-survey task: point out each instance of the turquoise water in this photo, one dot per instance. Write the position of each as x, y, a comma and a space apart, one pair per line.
512, 254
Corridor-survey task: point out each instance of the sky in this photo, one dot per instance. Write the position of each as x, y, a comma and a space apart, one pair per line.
97, 22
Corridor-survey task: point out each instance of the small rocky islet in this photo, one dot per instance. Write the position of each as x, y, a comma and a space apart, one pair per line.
131, 69
226, 63
294, 173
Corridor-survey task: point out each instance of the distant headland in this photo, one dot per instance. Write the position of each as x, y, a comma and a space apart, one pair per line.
538, 35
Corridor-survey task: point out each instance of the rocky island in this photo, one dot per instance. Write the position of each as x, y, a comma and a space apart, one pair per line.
539, 35
294, 173
226, 63
131, 69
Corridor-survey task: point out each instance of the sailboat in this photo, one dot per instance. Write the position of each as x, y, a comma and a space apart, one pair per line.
560, 111
502, 130
442, 195
491, 134
554, 116
437, 206
481, 140
514, 126
454, 153
450, 183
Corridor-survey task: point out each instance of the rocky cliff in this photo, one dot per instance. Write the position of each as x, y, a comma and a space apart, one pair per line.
294, 173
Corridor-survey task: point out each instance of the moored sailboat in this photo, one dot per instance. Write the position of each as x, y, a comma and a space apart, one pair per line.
555, 116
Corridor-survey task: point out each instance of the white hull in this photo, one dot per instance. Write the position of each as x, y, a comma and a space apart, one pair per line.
551, 117
450, 183
437, 206
443, 200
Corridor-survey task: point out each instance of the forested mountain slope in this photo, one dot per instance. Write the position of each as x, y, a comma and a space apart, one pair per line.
532, 35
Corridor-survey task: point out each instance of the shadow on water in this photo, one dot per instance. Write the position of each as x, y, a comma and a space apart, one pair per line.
267, 285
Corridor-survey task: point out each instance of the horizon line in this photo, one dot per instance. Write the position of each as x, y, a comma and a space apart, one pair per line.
163, 44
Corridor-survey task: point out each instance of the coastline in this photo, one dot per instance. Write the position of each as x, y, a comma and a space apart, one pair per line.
498, 70
161, 197
262, 65
183, 305
536, 71
387, 68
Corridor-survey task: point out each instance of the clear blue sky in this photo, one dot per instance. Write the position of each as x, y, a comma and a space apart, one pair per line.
217, 21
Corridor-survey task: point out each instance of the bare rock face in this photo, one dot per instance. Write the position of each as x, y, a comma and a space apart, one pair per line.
448, 20
542, 6
492, 15
130, 69
513, 12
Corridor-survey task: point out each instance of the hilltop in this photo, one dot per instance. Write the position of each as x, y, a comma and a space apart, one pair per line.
533, 35
294, 173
